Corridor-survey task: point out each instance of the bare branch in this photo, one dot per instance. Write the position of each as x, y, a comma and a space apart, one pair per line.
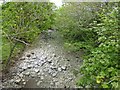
20, 41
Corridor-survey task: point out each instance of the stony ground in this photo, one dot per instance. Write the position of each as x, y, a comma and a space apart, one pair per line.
44, 65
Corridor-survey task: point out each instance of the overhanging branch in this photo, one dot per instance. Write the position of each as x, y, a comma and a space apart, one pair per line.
20, 41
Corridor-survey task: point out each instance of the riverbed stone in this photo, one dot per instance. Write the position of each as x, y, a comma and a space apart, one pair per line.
63, 67
49, 60
42, 63
34, 57
23, 58
23, 80
24, 67
54, 55
49, 71
36, 70
33, 74
52, 64
20, 75
70, 79
30, 66
32, 53
51, 83
54, 74
59, 69
17, 80
28, 55
38, 83
12, 80
36, 63
24, 83
27, 73
42, 77
44, 58
53, 67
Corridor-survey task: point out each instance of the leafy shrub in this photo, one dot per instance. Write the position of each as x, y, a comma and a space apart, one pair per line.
22, 22
94, 28
101, 65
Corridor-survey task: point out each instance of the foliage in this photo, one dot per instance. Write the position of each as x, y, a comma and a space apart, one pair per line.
101, 65
94, 28
22, 22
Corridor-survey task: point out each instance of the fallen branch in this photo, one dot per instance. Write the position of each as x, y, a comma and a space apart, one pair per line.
20, 41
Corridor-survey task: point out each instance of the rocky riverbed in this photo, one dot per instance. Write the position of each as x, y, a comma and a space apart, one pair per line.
44, 65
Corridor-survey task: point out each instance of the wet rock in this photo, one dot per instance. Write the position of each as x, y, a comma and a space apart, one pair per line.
44, 58
24, 83
31, 60
49, 71
57, 83
28, 55
36, 63
32, 53
42, 63
39, 64
36, 66
27, 61
59, 69
53, 67
51, 83
36, 70
24, 67
63, 67
23, 58
55, 80
21, 75
49, 60
42, 73
23, 80
54, 55
54, 74
52, 64
45, 70
17, 81
39, 74
27, 73
30, 66
33, 74
70, 79
42, 77
34, 57
12, 80
38, 83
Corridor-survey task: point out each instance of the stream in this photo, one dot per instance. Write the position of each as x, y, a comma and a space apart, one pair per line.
46, 64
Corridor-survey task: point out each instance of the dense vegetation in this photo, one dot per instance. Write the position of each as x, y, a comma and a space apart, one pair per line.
22, 22
93, 27
90, 27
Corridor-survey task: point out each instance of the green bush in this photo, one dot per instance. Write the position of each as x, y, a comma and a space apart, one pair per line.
22, 22
94, 28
